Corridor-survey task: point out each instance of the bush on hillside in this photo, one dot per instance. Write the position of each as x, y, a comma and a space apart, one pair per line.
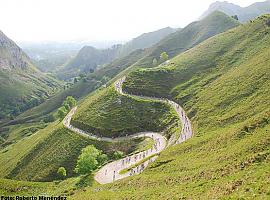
61, 113
62, 173
89, 160
118, 155
67, 105
164, 56
49, 118
69, 102
102, 159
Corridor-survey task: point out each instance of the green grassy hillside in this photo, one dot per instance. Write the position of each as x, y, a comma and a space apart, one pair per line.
22, 90
109, 113
11, 155
22, 85
38, 156
80, 89
13, 133
218, 165
190, 36
12, 187
173, 44
224, 84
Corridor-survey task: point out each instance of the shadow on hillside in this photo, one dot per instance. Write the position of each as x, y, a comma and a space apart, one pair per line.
85, 181
159, 163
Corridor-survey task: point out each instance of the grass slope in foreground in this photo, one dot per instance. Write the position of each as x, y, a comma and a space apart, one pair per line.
38, 157
224, 83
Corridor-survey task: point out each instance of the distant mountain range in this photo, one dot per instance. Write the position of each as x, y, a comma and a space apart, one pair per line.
145, 40
49, 56
171, 40
22, 85
89, 58
244, 13
67, 64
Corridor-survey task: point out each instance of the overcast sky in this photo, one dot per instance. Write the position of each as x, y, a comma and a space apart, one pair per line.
96, 20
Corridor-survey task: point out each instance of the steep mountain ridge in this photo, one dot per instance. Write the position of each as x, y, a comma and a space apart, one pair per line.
145, 40
186, 38
244, 13
11, 56
22, 85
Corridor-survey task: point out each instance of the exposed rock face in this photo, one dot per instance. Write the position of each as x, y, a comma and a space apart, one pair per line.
11, 56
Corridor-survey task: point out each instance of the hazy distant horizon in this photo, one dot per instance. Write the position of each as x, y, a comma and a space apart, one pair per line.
77, 44
96, 21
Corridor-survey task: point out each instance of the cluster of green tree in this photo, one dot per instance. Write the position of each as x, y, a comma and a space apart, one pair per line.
82, 77
68, 85
72, 82
90, 159
162, 58
69, 103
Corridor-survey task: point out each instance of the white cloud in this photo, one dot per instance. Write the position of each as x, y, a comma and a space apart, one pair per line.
37, 20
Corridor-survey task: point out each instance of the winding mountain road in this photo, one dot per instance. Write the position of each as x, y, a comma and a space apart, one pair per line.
111, 171
186, 131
